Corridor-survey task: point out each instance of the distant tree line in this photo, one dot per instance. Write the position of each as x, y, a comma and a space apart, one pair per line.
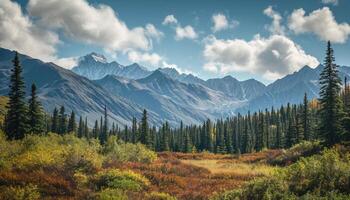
326, 119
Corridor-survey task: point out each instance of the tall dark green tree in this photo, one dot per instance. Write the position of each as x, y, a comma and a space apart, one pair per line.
72, 125
145, 135
35, 113
62, 121
16, 117
104, 128
81, 128
305, 117
331, 110
54, 121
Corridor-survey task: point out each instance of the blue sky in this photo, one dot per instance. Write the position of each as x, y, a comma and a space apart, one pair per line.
261, 39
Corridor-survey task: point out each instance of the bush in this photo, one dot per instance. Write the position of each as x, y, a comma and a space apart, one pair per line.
159, 196
303, 149
122, 180
325, 176
53, 150
111, 194
118, 151
28, 192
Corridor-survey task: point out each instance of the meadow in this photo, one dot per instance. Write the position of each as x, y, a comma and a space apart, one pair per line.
67, 167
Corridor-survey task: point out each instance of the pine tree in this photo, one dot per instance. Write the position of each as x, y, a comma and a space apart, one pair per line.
72, 125
54, 124
35, 113
305, 118
95, 130
81, 128
16, 118
134, 133
86, 129
62, 121
331, 111
145, 136
104, 128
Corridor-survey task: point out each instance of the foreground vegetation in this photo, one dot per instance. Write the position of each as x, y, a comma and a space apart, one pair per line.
324, 176
67, 167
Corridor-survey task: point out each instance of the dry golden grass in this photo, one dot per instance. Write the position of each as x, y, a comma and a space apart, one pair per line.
232, 167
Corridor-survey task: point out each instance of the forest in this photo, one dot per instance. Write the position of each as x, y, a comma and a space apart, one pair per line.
291, 152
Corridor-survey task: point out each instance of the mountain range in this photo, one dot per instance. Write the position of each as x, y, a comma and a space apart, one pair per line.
167, 94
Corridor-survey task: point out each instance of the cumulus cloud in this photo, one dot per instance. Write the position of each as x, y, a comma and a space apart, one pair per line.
92, 24
153, 32
67, 63
320, 22
221, 22
170, 19
275, 27
271, 57
19, 33
333, 2
152, 59
186, 32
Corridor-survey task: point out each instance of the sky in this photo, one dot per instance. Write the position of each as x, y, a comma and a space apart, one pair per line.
261, 39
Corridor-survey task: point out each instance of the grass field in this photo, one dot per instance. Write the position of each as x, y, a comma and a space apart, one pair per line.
199, 175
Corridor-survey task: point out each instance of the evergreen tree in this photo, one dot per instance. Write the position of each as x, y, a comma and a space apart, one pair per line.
16, 117
62, 121
54, 123
305, 118
81, 128
95, 130
145, 136
72, 125
35, 113
86, 129
331, 111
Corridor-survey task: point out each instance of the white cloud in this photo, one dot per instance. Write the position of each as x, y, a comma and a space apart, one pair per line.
271, 57
67, 63
170, 19
320, 22
221, 22
185, 32
92, 24
152, 59
153, 32
174, 66
275, 27
333, 2
17, 32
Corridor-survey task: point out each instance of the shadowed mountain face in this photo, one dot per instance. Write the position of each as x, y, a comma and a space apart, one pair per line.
165, 93
58, 86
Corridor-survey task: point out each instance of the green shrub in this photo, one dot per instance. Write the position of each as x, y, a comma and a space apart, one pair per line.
118, 151
111, 194
159, 196
303, 149
28, 192
325, 176
122, 180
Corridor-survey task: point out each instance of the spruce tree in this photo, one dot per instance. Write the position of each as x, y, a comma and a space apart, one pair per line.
81, 128
96, 130
331, 111
305, 118
145, 136
54, 123
62, 126
35, 113
72, 125
16, 117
